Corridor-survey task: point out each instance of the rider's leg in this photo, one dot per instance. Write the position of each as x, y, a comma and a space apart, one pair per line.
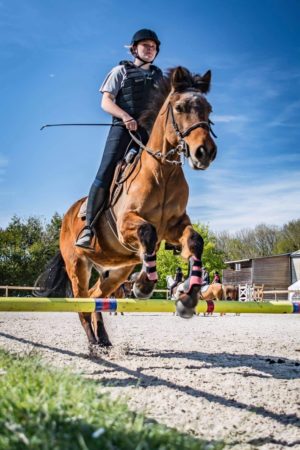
95, 204
116, 145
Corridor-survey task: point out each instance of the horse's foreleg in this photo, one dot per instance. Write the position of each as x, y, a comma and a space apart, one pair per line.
192, 249
147, 279
134, 228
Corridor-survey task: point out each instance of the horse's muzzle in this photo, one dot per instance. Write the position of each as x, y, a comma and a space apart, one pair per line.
202, 157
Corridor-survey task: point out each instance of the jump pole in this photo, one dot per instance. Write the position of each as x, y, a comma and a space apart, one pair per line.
141, 306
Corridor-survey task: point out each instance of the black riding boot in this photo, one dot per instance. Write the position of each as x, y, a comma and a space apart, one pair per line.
95, 205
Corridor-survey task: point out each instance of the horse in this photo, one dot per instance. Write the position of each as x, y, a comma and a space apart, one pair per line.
150, 207
212, 291
230, 292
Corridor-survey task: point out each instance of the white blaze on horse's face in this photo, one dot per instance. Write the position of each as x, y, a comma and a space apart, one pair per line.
191, 113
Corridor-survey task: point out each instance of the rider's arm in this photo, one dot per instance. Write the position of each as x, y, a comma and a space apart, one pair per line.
108, 105
110, 89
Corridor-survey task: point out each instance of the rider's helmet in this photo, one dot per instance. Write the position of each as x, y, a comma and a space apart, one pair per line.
143, 35
178, 269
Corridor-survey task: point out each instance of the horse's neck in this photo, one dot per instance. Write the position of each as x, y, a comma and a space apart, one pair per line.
157, 139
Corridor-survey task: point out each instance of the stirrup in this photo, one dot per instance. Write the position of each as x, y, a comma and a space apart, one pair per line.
86, 244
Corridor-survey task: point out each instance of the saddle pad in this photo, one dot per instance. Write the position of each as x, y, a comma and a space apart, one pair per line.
82, 209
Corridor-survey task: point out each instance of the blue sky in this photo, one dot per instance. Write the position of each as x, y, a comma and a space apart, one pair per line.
55, 54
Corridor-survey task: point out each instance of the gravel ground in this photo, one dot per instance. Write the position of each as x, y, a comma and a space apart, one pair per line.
232, 378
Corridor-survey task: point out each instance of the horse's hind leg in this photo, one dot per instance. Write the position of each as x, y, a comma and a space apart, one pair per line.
79, 271
104, 288
97, 318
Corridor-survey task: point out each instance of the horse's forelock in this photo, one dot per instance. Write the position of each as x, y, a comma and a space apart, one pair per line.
185, 81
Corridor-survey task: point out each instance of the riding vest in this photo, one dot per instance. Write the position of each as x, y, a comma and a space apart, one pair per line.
136, 88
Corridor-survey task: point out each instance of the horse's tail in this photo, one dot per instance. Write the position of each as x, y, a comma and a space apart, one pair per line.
54, 281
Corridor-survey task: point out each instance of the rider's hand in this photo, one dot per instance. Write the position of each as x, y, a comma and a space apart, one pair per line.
130, 123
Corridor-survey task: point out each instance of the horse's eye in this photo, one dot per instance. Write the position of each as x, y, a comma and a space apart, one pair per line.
179, 108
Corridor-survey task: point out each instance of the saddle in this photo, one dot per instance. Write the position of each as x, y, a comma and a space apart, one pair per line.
122, 172
204, 288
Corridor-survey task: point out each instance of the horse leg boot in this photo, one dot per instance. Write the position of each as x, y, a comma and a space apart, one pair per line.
95, 205
192, 248
187, 299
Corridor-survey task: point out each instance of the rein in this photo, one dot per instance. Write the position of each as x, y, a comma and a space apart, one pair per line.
182, 147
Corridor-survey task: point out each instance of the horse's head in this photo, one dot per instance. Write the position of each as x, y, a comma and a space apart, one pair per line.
189, 126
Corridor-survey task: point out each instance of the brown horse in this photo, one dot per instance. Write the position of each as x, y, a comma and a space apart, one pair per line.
210, 292
230, 292
150, 208
213, 292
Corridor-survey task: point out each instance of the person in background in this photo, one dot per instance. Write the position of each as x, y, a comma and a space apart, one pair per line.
216, 278
205, 277
178, 279
126, 93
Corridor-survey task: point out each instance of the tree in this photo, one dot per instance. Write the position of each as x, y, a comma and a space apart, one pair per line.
213, 258
263, 240
290, 237
25, 249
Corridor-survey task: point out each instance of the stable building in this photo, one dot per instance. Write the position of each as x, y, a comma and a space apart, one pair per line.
274, 272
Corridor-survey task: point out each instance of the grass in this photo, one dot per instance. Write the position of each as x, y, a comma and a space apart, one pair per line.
42, 408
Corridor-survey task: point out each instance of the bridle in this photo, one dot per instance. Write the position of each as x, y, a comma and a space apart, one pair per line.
182, 148
182, 144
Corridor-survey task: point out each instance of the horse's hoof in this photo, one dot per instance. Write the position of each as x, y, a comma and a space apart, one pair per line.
144, 292
183, 311
104, 343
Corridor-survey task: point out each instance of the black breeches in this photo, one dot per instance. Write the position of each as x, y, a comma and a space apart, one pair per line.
115, 148
117, 142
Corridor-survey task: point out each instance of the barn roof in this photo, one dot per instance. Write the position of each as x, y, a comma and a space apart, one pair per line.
261, 257
237, 261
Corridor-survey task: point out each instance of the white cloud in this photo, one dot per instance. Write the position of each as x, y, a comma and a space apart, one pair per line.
235, 203
287, 116
228, 118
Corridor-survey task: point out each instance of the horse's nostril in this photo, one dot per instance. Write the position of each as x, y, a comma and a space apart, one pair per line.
200, 152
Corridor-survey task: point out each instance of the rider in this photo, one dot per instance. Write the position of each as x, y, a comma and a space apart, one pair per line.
205, 277
178, 279
126, 92
216, 278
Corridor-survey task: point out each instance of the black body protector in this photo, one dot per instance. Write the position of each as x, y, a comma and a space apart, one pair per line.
137, 86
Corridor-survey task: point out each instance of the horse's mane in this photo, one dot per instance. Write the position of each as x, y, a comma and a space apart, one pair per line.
158, 97
193, 81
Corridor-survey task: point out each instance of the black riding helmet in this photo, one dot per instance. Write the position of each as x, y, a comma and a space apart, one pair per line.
143, 35
178, 269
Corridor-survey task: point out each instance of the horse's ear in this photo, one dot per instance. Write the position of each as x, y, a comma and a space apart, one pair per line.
202, 82
181, 79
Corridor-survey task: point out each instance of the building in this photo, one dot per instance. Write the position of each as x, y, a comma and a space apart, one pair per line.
274, 272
